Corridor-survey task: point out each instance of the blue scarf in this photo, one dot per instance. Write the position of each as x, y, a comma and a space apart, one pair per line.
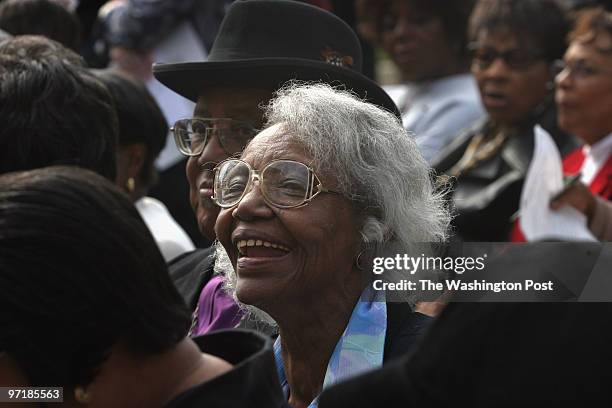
359, 349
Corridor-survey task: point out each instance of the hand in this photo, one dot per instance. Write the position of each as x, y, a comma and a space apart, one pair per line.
578, 196
431, 309
136, 64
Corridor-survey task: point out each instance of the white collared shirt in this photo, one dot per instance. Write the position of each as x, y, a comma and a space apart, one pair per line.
171, 239
595, 156
437, 111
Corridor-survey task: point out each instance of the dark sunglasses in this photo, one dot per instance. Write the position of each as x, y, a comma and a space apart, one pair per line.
517, 59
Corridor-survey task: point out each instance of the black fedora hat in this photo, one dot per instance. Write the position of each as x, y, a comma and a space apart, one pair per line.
265, 43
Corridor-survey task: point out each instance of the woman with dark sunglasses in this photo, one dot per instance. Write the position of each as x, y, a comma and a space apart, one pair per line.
320, 192
514, 44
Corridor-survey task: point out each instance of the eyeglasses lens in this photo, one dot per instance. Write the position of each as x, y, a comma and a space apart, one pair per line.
234, 136
230, 182
286, 183
514, 59
192, 135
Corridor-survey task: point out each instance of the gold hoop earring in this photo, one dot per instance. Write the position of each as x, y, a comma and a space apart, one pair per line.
358, 261
130, 184
81, 395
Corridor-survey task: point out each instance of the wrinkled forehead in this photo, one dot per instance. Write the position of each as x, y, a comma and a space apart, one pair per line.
274, 143
245, 104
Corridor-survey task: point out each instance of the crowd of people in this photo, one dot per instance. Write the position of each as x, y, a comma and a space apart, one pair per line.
299, 170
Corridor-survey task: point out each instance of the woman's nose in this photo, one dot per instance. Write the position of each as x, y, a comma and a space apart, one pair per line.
253, 205
563, 79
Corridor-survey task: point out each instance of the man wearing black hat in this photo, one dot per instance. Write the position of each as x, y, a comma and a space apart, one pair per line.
261, 45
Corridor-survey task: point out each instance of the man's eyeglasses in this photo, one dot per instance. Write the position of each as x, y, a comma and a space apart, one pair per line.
192, 135
283, 183
578, 69
483, 57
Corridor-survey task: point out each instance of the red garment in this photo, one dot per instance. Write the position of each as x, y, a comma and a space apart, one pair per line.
324, 4
572, 164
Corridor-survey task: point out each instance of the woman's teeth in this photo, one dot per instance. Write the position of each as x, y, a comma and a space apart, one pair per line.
258, 243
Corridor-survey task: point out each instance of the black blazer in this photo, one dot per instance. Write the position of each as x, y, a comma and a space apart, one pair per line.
486, 197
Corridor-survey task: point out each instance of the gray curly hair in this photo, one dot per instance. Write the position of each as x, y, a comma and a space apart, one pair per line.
377, 164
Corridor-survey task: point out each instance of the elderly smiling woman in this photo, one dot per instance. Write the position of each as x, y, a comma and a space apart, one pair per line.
330, 181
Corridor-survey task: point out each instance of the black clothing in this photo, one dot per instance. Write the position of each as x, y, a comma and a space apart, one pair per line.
252, 382
496, 354
190, 272
405, 329
486, 197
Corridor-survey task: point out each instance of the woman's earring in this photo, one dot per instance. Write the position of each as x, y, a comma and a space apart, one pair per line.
359, 261
81, 395
130, 184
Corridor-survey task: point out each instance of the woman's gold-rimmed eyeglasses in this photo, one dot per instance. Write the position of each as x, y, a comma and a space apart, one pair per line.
283, 183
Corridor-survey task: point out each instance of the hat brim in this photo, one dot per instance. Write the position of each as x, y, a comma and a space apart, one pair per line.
189, 79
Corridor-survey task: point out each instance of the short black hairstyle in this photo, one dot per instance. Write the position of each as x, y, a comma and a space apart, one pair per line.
53, 110
539, 25
140, 118
41, 17
79, 271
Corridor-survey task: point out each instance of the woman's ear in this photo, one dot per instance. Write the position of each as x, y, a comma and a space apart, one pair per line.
130, 159
136, 156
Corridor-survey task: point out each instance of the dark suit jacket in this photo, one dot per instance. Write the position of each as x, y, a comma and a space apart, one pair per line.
486, 197
251, 383
190, 272
496, 355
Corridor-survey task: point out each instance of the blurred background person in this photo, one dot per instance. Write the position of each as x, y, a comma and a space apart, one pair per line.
514, 44
584, 98
53, 109
339, 181
41, 17
142, 134
427, 41
134, 34
86, 304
